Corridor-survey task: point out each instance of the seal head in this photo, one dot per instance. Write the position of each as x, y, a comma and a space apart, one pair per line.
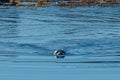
59, 53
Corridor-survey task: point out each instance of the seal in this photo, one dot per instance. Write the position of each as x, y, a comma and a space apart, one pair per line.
59, 53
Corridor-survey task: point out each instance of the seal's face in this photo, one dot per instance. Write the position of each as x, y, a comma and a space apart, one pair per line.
59, 53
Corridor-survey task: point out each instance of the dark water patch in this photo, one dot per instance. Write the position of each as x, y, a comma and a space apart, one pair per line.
14, 16
92, 62
86, 20
117, 55
8, 55
49, 21
7, 25
34, 61
8, 36
63, 61
9, 21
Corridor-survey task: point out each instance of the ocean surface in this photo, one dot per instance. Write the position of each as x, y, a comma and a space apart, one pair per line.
29, 36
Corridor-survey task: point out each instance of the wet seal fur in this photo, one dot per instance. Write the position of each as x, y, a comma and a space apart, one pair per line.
59, 53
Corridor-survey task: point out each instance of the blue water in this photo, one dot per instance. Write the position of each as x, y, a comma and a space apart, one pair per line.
88, 35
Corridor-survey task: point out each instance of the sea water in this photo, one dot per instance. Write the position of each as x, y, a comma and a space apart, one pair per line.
90, 37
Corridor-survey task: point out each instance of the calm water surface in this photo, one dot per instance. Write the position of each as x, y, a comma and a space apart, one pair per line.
88, 35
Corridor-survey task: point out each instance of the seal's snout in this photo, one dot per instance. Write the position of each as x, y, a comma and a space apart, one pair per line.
59, 53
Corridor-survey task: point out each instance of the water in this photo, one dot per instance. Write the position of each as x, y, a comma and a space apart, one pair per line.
88, 35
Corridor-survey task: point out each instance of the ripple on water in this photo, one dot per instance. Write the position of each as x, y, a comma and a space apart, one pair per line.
88, 35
